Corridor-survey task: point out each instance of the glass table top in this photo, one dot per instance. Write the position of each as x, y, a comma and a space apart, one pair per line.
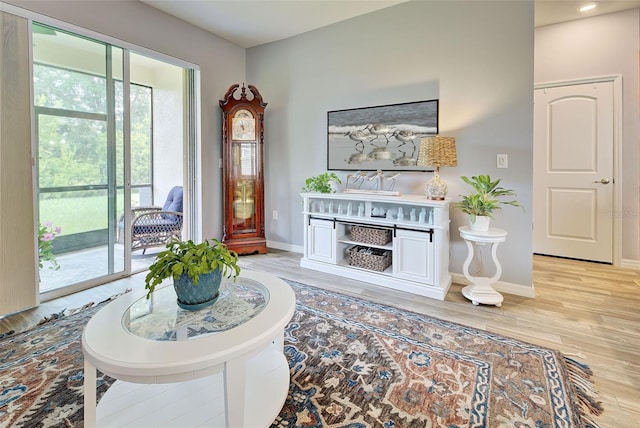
160, 318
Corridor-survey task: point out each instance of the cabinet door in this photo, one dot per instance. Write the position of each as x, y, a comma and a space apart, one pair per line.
413, 256
322, 241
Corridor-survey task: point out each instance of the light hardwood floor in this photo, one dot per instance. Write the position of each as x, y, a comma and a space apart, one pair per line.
586, 310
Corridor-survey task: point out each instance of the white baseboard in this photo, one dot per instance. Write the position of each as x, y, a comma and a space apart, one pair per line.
501, 286
285, 247
458, 278
630, 264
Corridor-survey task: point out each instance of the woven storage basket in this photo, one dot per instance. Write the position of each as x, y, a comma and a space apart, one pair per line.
374, 259
369, 235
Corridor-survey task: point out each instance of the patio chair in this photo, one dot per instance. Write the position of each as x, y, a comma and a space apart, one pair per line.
157, 226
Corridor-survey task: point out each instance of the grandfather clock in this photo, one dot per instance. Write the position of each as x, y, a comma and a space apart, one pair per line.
243, 170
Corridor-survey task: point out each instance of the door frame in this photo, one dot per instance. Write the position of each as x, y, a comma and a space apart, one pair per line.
616, 79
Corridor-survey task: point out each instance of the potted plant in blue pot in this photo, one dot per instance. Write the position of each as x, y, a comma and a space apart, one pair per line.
196, 269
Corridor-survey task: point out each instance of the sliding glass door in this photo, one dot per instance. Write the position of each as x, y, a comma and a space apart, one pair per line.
111, 131
79, 106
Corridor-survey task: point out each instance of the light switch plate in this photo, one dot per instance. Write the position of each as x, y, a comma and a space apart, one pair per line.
502, 161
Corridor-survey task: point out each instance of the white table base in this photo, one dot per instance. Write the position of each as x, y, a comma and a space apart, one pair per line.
199, 402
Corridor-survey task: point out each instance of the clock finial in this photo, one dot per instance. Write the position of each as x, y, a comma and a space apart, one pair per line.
230, 98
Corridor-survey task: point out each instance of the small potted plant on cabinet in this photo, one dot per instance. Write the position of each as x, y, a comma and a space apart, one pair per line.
196, 269
487, 198
321, 183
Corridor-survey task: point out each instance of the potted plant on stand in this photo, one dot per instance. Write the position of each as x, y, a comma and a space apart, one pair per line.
486, 199
196, 269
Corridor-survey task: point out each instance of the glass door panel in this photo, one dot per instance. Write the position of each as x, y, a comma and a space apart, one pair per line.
92, 163
79, 129
157, 105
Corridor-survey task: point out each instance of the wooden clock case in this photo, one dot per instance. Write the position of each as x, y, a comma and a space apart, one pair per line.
243, 170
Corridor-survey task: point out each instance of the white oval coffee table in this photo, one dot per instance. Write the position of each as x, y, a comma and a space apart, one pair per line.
221, 366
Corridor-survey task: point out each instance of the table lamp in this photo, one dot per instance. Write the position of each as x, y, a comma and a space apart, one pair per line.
437, 151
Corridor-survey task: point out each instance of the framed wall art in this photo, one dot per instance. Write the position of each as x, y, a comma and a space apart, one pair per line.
383, 137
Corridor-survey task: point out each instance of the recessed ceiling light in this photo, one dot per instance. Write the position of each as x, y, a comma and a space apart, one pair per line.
586, 7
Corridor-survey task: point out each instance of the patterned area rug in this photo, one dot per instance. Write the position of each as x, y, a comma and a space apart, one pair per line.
41, 371
353, 364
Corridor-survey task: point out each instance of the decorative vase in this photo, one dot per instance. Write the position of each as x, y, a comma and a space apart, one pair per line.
195, 297
436, 188
481, 224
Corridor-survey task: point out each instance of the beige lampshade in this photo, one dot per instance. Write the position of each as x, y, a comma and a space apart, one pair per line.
437, 151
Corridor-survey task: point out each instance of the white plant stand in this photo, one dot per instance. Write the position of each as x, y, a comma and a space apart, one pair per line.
481, 290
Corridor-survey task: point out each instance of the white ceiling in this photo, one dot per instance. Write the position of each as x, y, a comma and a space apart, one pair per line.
249, 23
553, 12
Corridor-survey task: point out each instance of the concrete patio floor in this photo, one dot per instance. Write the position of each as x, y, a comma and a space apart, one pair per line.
88, 264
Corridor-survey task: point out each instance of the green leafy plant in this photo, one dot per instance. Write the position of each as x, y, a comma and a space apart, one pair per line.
487, 197
46, 234
186, 257
321, 183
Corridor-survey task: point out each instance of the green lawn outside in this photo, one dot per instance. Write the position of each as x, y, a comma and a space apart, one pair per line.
77, 214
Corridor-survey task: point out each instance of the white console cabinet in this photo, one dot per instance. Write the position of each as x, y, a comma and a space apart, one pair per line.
345, 234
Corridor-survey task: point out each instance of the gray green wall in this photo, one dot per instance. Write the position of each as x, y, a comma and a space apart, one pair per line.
475, 57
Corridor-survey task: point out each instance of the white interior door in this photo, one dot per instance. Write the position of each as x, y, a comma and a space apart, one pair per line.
573, 171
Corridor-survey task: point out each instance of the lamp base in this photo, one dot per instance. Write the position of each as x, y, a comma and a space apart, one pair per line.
436, 188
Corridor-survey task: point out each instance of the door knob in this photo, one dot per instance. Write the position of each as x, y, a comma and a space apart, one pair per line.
603, 181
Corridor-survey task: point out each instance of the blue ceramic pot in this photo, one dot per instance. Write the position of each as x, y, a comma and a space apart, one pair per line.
205, 293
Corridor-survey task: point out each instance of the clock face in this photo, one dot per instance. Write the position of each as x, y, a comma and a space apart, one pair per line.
243, 126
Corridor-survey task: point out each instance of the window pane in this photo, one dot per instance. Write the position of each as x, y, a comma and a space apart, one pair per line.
68, 90
72, 151
75, 212
140, 134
